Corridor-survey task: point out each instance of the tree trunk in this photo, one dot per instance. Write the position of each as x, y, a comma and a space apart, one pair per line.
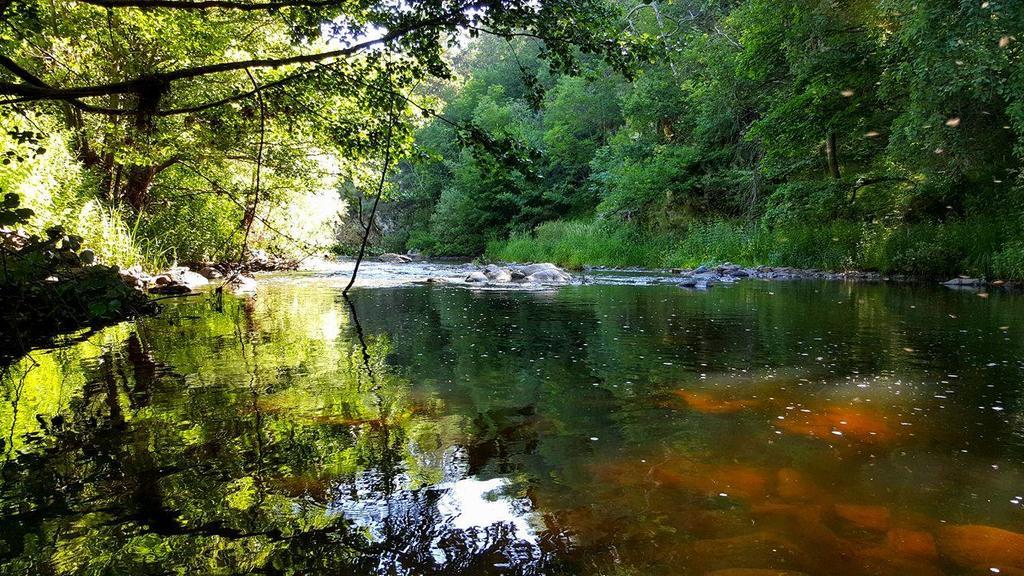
832, 156
137, 185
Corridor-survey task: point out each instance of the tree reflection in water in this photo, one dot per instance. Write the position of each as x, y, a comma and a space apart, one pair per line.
594, 430
217, 443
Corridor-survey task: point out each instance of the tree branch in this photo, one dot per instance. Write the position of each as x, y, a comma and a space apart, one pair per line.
158, 83
212, 4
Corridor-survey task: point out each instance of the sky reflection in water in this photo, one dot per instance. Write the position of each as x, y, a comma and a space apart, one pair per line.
819, 428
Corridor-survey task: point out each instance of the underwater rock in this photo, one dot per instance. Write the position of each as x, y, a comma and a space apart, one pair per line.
754, 572
791, 485
979, 546
911, 543
750, 551
837, 421
864, 516
708, 404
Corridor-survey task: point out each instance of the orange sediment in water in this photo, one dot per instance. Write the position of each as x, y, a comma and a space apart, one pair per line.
830, 422
708, 404
754, 572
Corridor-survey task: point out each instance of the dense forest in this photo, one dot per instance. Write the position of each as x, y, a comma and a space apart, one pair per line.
879, 135
859, 134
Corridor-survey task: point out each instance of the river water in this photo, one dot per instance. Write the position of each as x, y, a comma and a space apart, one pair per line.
621, 427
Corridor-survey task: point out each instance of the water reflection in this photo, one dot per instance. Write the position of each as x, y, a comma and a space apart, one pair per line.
806, 427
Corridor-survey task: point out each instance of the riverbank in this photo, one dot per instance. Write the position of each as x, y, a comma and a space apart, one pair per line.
973, 248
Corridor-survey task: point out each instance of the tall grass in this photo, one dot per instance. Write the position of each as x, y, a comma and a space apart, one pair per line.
575, 244
116, 240
974, 246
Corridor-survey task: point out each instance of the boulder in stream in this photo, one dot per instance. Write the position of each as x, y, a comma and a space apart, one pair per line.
545, 273
497, 273
962, 281
241, 284
210, 273
392, 258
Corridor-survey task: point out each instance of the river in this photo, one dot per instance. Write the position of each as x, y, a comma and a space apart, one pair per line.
619, 427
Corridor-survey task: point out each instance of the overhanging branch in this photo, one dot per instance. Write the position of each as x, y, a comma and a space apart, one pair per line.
154, 85
212, 4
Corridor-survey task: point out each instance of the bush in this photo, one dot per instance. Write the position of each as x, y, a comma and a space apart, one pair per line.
1009, 262
51, 284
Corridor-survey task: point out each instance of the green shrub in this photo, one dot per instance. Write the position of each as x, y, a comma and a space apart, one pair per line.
50, 284
929, 250
1008, 263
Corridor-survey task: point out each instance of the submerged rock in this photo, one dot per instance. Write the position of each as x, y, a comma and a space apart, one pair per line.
864, 516
911, 543
708, 404
479, 277
981, 547
753, 572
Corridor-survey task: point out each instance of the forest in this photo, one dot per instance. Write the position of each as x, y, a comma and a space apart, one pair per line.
868, 135
872, 135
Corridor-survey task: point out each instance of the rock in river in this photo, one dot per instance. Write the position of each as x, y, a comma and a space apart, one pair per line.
392, 258
545, 273
961, 281
497, 273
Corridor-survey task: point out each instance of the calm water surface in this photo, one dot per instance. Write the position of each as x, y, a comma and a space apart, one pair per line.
810, 427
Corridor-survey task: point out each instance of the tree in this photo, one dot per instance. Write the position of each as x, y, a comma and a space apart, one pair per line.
167, 98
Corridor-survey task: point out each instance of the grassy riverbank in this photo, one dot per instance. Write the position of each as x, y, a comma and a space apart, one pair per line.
976, 247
